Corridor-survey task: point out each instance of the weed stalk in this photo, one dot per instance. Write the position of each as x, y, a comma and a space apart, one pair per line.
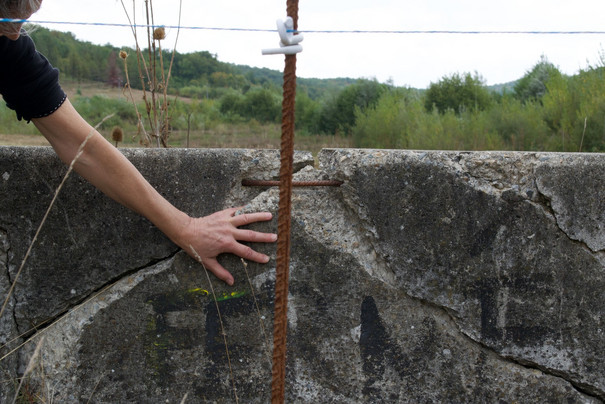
153, 76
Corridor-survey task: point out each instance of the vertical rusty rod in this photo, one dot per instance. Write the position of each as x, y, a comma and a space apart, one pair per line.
280, 323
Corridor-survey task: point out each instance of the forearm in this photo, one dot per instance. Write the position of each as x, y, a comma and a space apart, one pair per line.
108, 170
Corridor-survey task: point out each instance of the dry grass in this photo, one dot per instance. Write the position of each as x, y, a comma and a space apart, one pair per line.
23, 140
250, 135
253, 137
225, 136
89, 89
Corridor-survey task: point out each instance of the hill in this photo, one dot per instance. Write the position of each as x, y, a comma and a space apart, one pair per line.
198, 74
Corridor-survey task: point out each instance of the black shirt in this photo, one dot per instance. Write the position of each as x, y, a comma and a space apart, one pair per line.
28, 82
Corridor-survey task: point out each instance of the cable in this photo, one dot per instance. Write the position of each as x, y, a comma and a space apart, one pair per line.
449, 32
114, 24
311, 31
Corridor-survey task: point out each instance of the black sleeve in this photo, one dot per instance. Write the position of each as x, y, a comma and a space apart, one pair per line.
28, 83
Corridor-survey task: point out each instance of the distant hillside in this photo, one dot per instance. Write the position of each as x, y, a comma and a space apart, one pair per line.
197, 74
315, 88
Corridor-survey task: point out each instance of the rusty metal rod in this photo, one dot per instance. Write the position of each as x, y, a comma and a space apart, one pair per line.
282, 265
270, 183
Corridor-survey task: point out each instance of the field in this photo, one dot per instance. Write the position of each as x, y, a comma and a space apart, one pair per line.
253, 135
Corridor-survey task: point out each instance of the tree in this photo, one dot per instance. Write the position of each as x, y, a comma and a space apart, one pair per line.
457, 93
193, 66
231, 103
388, 123
262, 105
338, 114
533, 85
307, 113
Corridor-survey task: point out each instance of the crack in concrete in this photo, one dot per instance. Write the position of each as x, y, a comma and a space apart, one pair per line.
450, 316
383, 270
369, 235
8, 323
583, 388
6, 251
358, 241
544, 202
9, 279
353, 208
333, 228
560, 208
63, 335
492, 176
32, 333
540, 199
497, 186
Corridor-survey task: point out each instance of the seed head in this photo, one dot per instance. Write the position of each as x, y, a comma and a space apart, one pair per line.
123, 55
159, 33
117, 134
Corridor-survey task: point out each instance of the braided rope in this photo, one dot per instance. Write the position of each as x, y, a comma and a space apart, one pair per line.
283, 222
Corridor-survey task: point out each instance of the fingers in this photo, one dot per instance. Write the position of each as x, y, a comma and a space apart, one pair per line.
220, 233
249, 235
248, 253
218, 270
247, 218
254, 236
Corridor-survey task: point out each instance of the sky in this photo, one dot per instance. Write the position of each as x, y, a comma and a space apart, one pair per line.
414, 60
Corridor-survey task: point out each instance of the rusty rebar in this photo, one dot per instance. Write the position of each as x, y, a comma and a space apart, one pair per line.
295, 184
280, 322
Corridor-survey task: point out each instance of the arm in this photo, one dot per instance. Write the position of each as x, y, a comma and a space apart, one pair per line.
108, 170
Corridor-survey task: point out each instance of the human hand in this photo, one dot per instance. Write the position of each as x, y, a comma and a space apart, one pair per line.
207, 237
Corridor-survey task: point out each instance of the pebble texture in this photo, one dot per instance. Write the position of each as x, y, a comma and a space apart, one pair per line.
426, 277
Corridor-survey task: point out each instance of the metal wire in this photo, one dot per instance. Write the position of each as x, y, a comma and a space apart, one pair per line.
321, 31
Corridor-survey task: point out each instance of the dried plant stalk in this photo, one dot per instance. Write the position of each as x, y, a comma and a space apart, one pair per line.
220, 319
154, 79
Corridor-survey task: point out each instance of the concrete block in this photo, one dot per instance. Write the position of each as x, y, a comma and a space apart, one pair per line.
426, 277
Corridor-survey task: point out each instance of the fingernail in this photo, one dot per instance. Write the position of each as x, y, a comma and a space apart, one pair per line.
266, 259
274, 237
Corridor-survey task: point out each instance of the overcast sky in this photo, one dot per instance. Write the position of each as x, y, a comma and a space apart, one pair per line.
413, 60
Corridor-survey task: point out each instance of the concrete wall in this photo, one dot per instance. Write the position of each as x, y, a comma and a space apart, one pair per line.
425, 277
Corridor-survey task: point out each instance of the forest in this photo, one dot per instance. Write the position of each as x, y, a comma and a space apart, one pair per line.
544, 110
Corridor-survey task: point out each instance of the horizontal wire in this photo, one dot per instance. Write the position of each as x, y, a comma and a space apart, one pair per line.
490, 32
408, 32
114, 24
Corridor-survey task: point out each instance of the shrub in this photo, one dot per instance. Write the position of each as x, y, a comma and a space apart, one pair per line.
262, 105
532, 86
457, 93
338, 113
